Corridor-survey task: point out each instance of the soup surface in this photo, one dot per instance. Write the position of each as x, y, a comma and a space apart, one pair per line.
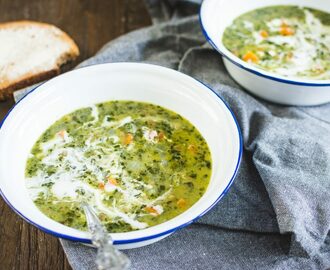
136, 163
288, 40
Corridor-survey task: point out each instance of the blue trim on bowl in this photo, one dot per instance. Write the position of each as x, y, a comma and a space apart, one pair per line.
240, 150
136, 240
259, 73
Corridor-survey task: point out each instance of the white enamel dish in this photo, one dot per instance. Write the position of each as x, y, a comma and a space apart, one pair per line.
120, 81
217, 15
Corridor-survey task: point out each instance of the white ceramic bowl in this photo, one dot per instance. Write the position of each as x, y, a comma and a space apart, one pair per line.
120, 81
216, 15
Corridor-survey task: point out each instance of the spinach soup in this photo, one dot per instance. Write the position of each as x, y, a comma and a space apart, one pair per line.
290, 41
136, 163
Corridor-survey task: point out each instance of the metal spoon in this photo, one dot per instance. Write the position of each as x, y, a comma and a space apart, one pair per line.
108, 257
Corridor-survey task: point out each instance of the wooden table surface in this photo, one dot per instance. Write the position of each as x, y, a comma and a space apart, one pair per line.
91, 23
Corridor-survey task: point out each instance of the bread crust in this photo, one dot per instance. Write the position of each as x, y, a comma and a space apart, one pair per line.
8, 87
7, 92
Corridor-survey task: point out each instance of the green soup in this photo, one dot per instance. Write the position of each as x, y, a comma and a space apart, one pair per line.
288, 40
137, 164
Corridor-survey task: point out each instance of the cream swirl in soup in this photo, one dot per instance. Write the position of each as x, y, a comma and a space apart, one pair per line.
288, 40
136, 163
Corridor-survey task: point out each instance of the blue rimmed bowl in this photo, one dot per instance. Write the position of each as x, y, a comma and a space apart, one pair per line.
118, 81
217, 15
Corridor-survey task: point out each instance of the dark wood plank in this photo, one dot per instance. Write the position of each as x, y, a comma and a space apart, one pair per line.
91, 24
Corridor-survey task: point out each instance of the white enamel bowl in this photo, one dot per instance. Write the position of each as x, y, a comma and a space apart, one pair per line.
120, 81
216, 15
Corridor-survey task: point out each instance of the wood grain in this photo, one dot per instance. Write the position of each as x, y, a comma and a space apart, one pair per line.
91, 23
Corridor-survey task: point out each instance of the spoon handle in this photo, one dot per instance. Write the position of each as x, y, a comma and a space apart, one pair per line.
108, 257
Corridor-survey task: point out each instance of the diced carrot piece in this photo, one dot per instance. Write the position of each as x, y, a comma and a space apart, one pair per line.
250, 57
264, 34
128, 138
62, 133
151, 210
112, 181
289, 55
181, 203
286, 31
161, 136
101, 185
192, 148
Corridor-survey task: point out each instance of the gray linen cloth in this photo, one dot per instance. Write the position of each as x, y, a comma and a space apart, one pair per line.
277, 213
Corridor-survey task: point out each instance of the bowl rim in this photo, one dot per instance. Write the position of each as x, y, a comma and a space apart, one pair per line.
164, 232
255, 70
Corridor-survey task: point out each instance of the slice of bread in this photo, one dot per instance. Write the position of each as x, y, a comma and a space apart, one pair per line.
31, 52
